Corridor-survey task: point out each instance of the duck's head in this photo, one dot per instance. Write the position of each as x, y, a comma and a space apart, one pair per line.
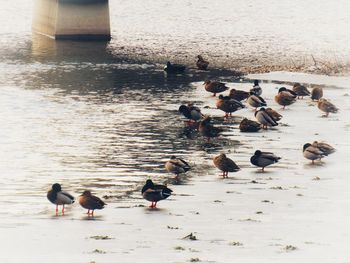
168, 64
221, 97
56, 187
200, 57
251, 93
222, 155
257, 153
206, 81
296, 85
149, 183
86, 193
256, 82
282, 89
173, 157
183, 108
262, 109
306, 145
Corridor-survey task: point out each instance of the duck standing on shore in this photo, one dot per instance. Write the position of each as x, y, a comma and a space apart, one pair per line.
285, 97
155, 192
324, 147
263, 159
191, 112
274, 114
265, 119
225, 164
327, 107
228, 105
301, 90
214, 87
316, 93
239, 94
58, 197
312, 153
174, 68
177, 166
249, 126
257, 90
208, 130
201, 63
90, 202
256, 101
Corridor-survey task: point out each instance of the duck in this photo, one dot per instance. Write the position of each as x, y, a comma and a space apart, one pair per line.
225, 164
201, 63
90, 202
274, 114
191, 112
326, 106
58, 197
215, 87
324, 147
265, 119
263, 159
249, 126
285, 97
228, 105
174, 68
239, 94
256, 101
155, 192
208, 130
177, 166
301, 90
312, 153
316, 93
257, 90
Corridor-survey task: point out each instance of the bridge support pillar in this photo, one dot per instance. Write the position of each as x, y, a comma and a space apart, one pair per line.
72, 19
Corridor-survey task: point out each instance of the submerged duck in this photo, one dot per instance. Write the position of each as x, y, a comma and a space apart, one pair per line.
285, 97
265, 118
155, 192
201, 63
312, 153
225, 164
316, 93
324, 147
90, 202
301, 90
239, 94
257, 90
263, 159
58, 197
208, 130
191, 112
327, 107
228, 105
249, 126
174, 68
274, 114
177, 166
214, 87
256, 101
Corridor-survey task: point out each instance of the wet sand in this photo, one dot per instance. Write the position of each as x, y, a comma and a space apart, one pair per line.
294, 211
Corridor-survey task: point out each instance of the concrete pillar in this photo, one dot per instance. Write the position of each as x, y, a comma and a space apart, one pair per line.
72, 19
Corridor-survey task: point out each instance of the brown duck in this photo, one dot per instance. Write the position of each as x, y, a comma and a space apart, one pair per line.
90, 202
284, 97
225, 164
201, 63
274, 114
239, 94
249, 126
214, 87
228, 105
316, 93
208, 130
301, 90
326, 106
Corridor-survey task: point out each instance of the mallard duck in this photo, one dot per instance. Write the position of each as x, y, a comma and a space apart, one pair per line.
214, 87
316, 93
174, 68
155, 192
249, 126
90, 202
177, 166
312, 153
208, 130
263, 159
274, 114
239, 94
58, 197
284, 97
201, 63
257, 90
324, 147
301, 90
256, 101
265, 118
228, 105
225, 164
326, 106
191, 112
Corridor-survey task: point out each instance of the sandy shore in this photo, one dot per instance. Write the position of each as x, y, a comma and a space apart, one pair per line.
293, 212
